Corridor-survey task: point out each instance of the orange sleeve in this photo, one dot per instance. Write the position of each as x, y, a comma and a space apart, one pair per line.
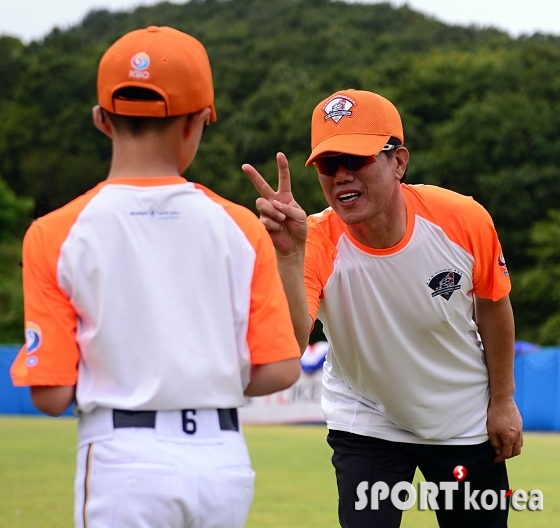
50, 355
270, 334
320, 253
490, 276
470, 226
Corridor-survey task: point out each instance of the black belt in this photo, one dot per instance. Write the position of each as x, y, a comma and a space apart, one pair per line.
229, 420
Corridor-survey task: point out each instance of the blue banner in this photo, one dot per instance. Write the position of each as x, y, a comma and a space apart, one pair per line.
15, 400
537, 381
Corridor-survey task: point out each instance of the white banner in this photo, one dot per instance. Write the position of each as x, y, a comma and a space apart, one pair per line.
301, 403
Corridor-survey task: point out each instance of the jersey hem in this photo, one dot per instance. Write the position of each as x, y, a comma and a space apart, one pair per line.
265, 359
44, 382
473, 440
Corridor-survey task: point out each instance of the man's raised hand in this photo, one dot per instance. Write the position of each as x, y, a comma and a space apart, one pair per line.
283, 218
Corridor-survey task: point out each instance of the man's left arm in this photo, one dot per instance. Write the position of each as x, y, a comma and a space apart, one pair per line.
497, 331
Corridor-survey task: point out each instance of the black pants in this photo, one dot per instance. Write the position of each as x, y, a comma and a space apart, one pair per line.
358, 458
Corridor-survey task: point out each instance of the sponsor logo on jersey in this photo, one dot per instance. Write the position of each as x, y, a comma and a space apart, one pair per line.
338, 107
139, 63
444, 283
157, 215
33, 337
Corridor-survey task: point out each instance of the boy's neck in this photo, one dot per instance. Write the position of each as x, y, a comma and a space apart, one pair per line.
137, 171
145, 157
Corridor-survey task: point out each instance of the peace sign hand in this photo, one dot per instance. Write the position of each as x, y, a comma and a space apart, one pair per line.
284, 219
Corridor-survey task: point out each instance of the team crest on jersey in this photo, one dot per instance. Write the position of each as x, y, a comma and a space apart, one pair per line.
444, 283
338, 107
33, 337
501, 261
502, 264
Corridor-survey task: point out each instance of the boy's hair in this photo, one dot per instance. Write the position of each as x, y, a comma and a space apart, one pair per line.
153, 74
134, 125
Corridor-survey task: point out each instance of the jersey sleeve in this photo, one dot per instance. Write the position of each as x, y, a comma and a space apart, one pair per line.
270, 334
50, 355
320, 253
490, 274
469, 225
312, 277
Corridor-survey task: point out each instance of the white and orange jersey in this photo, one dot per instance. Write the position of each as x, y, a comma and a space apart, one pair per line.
405, 361
151, 294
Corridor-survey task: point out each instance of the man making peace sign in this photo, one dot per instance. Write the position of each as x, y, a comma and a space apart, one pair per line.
394, 272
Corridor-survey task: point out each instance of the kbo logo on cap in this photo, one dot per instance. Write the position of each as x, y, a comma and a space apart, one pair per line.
139, 63
338, 107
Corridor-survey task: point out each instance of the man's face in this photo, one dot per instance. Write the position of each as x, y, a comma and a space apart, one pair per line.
358, 196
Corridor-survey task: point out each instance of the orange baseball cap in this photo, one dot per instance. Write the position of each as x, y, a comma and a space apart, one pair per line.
353, 122
163, 60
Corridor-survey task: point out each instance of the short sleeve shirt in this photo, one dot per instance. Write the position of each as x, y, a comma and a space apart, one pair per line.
405, 361
151, 293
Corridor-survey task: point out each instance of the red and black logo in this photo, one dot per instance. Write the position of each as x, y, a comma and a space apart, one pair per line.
445, 283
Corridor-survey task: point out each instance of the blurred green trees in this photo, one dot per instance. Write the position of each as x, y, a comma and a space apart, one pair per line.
14, 214
480, 113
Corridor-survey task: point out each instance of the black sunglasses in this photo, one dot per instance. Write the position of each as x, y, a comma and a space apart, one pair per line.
328, 165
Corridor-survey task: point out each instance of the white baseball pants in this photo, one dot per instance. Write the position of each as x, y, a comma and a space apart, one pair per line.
184, 472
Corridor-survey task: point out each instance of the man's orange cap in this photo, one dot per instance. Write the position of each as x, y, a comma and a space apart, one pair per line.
353, 122
164, 60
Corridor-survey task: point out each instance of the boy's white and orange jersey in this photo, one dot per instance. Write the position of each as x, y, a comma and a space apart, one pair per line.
405, 361
151, 294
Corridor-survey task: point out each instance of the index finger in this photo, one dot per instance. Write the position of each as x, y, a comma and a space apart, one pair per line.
263, 188
284, 183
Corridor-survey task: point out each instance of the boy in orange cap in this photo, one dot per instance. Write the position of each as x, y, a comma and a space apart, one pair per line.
156, 306
394, 271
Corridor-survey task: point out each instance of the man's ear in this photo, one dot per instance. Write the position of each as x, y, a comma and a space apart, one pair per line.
401, 156
101, 121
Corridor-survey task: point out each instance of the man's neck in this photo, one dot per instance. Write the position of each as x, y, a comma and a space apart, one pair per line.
384, 230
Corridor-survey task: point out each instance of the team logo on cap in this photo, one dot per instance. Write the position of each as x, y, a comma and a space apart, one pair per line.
139, 63
338, 107
445, 283
33, 337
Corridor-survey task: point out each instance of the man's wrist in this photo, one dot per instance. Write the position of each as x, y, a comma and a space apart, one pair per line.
293, 257
501, 399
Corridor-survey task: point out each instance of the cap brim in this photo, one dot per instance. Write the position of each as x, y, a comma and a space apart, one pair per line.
357, 144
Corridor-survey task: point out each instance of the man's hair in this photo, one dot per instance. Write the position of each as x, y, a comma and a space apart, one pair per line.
138, 126
391, 141
390, 153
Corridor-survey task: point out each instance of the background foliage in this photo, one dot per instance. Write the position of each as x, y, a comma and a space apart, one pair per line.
480, 111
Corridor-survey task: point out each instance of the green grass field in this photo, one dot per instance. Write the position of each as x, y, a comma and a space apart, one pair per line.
295, 484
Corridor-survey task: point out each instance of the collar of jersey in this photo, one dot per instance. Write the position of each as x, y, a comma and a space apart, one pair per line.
151, 181
410, 217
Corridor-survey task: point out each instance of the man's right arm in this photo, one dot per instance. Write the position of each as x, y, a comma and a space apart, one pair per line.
286, 223
290, 268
